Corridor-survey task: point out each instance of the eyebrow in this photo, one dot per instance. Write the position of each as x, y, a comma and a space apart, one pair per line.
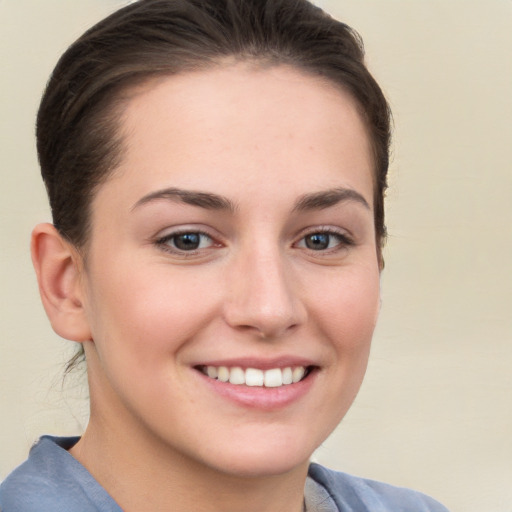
205, 200
328, 198
210, 201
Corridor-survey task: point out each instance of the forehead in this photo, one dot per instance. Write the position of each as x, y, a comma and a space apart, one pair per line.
245, 123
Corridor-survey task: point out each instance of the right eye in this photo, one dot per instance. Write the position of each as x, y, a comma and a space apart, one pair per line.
186, 241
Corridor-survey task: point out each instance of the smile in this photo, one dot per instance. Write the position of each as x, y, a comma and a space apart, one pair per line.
254, 377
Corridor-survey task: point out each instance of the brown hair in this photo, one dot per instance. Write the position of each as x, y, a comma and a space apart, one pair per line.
78, 139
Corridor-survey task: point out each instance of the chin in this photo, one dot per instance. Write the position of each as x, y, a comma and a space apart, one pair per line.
264, 457
263, 466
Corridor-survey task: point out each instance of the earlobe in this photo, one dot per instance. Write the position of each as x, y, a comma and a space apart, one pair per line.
57, 265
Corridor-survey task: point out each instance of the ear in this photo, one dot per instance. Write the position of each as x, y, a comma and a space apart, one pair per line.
58, 267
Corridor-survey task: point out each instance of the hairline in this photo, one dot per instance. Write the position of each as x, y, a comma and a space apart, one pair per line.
120, 95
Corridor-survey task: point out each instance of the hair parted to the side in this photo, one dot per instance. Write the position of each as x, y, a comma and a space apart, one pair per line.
78, 137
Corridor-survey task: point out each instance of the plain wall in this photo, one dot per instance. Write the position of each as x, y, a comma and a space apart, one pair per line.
435, 411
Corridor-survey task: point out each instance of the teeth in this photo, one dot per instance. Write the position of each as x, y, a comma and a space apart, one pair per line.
273, 378
298, 373
237, 376
223, 374
287, 376
254, 377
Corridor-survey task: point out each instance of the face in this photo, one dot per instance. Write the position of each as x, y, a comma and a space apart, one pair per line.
232, 279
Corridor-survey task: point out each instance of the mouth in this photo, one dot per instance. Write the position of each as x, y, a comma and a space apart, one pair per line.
256, 377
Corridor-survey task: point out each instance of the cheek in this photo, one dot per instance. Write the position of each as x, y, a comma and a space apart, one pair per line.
144, 314
348, 306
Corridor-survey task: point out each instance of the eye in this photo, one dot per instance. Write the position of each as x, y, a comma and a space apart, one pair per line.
324, 240
187, 241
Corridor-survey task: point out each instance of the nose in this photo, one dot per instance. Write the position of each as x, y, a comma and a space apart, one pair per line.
263, 295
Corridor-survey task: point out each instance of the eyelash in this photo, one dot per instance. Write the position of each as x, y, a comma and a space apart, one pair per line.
163, 242
344, 241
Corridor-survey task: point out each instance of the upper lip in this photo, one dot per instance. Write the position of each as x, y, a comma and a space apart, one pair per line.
259, 363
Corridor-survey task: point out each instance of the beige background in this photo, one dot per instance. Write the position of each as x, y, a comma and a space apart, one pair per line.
435, 412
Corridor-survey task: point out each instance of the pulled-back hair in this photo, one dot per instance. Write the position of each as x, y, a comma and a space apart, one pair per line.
78, 137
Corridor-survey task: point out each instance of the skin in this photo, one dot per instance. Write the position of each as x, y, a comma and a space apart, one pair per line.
149, 313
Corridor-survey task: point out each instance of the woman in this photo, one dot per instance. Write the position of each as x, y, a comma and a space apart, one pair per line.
216, 173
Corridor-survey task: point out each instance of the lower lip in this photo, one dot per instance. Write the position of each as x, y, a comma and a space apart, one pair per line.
261, 397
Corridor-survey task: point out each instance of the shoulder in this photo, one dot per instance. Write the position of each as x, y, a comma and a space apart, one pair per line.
36, 485
51, 480
349, 492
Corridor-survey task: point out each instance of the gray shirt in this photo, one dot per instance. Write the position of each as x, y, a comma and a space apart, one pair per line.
52, 480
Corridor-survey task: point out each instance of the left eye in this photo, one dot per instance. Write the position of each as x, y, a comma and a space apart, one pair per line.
190, 241
322, 241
